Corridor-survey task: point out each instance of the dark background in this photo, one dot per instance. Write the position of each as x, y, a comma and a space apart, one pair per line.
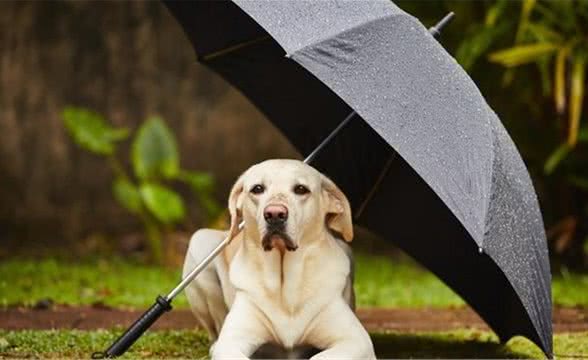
130, 60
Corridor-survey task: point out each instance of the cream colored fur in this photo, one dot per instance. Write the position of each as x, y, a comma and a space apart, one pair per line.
292, 300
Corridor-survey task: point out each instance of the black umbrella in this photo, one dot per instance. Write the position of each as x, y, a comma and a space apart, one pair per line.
430, 167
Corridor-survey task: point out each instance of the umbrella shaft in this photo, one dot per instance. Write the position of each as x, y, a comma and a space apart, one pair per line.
328, 139
198, 269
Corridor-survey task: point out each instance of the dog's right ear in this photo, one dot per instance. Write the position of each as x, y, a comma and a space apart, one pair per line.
338, 210
236, 206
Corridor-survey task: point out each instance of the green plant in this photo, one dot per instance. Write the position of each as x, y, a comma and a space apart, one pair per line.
155, 164
554, 36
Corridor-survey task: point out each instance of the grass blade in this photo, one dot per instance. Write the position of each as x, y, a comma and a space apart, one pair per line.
528, 6
523, 54
555, 158
576, 99
560, 79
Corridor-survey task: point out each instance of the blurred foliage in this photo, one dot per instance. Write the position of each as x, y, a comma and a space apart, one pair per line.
155, 163
553, 36
528, 58
90, 131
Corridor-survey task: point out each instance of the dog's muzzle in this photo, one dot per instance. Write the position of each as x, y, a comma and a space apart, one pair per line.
275, 217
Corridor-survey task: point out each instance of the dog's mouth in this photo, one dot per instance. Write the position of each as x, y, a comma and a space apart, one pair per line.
276, 237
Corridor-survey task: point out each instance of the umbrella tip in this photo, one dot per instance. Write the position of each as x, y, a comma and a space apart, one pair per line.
436, 30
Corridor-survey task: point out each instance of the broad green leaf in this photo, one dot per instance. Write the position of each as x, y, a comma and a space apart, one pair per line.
560, 79
522, 54
163, 203
576, 99
556, 158
127, 194
154, 151
91, 132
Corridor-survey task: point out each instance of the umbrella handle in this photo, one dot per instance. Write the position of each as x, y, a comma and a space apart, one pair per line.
133, 333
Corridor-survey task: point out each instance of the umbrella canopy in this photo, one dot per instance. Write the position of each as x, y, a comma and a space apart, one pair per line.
426, 163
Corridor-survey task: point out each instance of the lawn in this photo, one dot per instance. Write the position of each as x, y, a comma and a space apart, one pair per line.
379, 282
194, 344
117, 282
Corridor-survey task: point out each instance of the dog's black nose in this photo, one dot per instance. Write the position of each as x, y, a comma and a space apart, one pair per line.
275, 214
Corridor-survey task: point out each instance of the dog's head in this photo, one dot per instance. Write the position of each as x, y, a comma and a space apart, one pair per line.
284, 201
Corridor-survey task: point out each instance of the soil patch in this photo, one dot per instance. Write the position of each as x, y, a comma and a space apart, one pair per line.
374, 319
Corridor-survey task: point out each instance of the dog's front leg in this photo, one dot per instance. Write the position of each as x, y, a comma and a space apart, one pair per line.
339, 332
242, 333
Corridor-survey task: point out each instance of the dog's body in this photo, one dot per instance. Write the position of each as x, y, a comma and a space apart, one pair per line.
286, 278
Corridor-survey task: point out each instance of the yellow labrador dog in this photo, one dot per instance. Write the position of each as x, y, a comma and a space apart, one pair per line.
285, 281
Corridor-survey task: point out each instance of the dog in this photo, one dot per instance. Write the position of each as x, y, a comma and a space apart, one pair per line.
283, 287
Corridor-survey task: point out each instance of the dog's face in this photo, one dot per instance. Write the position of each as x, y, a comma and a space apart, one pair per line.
285, 201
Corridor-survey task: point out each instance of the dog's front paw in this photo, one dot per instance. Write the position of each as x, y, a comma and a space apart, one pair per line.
225, 351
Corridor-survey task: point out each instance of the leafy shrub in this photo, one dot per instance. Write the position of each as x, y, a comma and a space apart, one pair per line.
155, 164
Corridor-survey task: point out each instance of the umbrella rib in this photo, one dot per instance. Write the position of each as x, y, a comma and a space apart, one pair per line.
379, 180
328, 139
233, 48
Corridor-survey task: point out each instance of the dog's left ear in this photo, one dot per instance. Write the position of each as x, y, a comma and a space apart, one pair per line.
338, 210
235, 206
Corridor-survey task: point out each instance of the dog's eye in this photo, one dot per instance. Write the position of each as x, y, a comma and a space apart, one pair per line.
301, 190
257, 189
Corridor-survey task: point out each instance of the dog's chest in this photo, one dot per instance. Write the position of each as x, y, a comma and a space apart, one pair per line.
290, 315
290, 291
289, 329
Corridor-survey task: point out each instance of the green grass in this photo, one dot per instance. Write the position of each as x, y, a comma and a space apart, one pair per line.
111, 282
81, 344
379, 282
382, 282
570, 289
192, 344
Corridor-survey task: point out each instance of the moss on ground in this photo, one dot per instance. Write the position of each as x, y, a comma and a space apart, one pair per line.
80, 344
193, 344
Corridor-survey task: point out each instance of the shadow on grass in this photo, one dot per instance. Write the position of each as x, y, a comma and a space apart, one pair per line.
451, 345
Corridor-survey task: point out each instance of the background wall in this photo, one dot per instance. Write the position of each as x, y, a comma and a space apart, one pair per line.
126, 60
